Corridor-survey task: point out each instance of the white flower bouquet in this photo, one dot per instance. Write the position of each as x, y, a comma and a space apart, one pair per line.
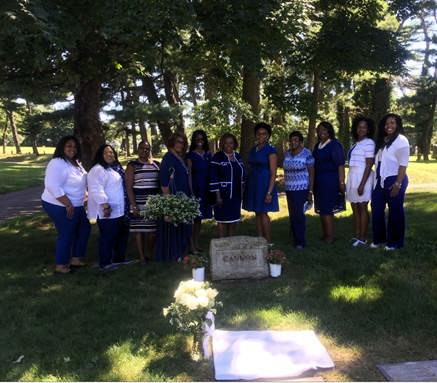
176, 208
193, 300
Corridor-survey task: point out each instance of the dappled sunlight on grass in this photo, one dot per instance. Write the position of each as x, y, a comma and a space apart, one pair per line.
352, 294
274, 318
124, 363
34, 373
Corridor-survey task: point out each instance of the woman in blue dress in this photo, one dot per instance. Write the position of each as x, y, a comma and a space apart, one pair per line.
261, 195
226, 182
198, 159
329, 186
172, 241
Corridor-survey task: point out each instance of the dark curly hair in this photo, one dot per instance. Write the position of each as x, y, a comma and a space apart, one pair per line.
202, 133
381, 134
98, 158
297, 134
224, 137
370, 127
263, 125
59, 151
328, 126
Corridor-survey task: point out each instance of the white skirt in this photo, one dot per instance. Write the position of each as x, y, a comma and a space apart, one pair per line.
354, 178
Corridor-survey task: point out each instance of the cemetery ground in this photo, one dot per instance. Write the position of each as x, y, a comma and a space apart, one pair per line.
367, 307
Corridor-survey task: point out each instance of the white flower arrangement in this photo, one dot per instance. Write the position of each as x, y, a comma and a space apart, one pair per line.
176, 208
193, 300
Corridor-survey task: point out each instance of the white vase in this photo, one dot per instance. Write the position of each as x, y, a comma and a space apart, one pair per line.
275, 270
199, 274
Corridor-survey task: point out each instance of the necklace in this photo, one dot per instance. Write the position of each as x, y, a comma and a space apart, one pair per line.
181, 161
321, 146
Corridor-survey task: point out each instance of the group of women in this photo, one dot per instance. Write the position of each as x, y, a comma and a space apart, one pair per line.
223, 185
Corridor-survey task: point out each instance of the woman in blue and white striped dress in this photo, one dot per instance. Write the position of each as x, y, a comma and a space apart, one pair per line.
142, 180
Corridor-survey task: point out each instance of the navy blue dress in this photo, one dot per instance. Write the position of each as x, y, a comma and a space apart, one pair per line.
171, 240
200, 178
327, 196
227, 177
258, 181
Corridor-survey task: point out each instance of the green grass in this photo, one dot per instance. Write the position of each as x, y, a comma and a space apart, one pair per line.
21, 172
367, 307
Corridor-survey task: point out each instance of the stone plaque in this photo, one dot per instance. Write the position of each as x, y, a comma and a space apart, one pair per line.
238, 257
423, 371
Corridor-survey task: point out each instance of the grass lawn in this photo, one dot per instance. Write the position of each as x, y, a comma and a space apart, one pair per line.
367, 307
21, 172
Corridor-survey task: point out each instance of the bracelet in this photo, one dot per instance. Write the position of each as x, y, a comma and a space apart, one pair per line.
398, 184
269, 193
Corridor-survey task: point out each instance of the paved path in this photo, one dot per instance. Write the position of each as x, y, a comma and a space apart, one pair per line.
21, 203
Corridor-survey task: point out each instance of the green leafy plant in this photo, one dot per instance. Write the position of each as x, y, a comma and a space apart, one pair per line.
176, 208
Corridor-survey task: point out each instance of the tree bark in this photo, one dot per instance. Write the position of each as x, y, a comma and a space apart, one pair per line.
314, 109
143, 130
251, 95
151, 94
4, 135
380, 99
87, 124
172, 97
11, 118
343, 124
134, 138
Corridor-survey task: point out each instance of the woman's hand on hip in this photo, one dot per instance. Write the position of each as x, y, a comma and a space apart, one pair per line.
394, 189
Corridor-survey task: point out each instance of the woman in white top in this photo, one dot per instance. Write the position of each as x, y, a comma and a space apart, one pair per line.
108, 203
359, 183
392, 155
63, 199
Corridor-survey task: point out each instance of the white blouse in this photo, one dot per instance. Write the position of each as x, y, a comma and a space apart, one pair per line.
398, 154
360, 151
105, 186
63, 178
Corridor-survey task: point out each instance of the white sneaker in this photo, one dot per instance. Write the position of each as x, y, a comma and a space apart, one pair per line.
359, 242
374, 245
389, 248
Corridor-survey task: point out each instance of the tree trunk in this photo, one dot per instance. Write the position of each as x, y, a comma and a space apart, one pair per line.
134, 138
151, 94
380, 99
11, 118
172, 97
5, 130
251, 95
34, 146
154, 142
314, 109
343, 124
126, 141
143, 130
87, 124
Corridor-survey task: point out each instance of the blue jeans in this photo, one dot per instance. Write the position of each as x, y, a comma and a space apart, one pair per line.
73, 233
113, 241
392, 232
295, 202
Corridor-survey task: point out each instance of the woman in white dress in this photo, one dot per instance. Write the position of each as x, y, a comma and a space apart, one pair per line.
360, 179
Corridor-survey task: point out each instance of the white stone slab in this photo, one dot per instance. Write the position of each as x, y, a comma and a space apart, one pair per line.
423, 371
251, 355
